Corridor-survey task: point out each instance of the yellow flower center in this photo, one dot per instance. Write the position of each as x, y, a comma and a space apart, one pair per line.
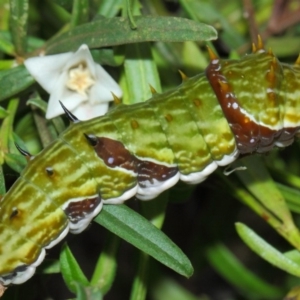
80, 79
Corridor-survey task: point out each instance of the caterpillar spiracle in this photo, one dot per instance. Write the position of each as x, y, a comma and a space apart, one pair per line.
143, 149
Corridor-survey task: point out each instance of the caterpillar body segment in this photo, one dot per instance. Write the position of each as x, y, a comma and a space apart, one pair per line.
235, 107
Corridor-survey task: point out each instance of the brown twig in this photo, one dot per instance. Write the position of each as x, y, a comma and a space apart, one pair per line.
282, 17
249, 15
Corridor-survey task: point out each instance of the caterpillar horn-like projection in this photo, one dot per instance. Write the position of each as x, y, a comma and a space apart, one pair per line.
70, 116
23, 152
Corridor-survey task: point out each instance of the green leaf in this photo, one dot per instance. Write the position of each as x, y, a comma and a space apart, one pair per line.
106, 56
87, 293
266, 251
207, 11
18, 24
136, 230
67, 4
140, 283
293, 255
14, 81
49, 266
15, 161
6, 136
7, 47
193, 57
42, 105
46, 130
259, 182
7, 64
243, 279
80, 12
105, 270
291, 195
26, 129
38, 102
3, 112
2, 183
140, 71
117, 31
109, 8
6, 44
169, 289
70, 269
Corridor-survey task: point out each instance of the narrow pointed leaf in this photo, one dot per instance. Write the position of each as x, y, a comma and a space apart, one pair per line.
13, 81
106, 266
243, 279
2, 183
117, 31
141, 72
138, 231
18, 24
266, 251
259, 182
87, 292
71, 270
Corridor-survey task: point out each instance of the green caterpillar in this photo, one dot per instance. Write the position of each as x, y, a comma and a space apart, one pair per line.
141, 150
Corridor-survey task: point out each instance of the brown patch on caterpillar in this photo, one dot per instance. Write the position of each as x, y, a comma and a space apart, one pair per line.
78, 210
287, 135
249, 135
148, 171
114, 154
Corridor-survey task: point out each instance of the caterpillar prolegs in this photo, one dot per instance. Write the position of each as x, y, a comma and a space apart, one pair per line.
235, 107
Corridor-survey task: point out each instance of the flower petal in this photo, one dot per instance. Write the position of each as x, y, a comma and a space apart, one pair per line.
69, 98
46, 69
86, 111
83, 54
83, 86
107, 81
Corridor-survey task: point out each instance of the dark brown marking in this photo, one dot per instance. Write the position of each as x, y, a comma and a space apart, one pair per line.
249, 135
114, 154
149, 171
70, 116
14, 213
92, 139
78, 210
287, 135
49, 171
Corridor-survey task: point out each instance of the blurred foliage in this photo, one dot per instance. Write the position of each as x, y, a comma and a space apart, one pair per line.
142, 43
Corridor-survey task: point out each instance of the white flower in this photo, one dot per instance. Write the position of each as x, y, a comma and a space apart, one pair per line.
82, 85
